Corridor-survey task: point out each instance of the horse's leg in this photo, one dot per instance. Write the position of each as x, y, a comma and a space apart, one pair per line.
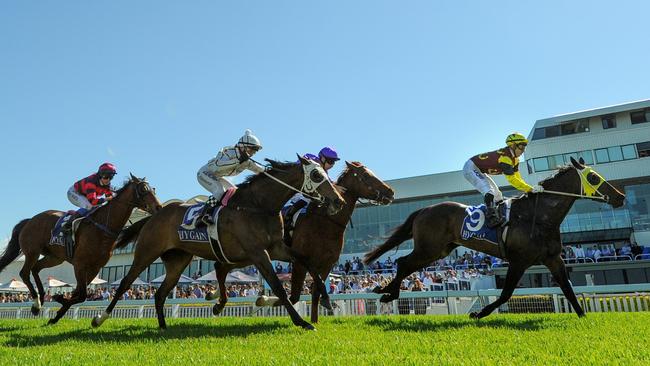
142, 259
298, 275
175, 262
405, 266
315, 296
221, 271
558, 270
282, 250
46, 262
78, 295
30, 261
515, 271
264, 265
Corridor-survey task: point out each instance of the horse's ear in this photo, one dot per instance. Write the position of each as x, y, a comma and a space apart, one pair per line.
132, 176
576, 164
581, 161
302, 160
349, 164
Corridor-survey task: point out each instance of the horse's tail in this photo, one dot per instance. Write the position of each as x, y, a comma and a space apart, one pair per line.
399, 235
130, 234
13, 248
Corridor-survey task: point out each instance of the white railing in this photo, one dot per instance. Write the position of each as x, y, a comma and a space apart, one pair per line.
614, 298
613, 258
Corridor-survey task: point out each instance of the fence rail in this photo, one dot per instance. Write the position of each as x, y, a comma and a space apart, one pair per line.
614, 298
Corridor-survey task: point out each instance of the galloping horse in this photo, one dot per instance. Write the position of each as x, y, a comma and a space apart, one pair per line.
533, 234
95, 241
249, 227
319, 236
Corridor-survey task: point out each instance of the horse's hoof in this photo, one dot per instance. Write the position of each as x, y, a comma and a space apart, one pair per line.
36, 311
386, 298
308, 326
474, 315
95, 322
325, 302
378, 290
51, 322
216, 309
582, 315
210, 295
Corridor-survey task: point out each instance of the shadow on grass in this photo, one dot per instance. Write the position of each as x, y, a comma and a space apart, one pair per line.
139, 333
415, 324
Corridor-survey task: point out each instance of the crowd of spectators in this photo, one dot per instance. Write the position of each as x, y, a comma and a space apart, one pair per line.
600, 253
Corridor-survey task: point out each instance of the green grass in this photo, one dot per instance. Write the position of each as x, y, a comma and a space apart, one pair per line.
611, 338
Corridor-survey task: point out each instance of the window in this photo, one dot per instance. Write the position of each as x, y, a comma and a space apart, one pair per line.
540, 164
643, 149
609, 121
615, 153
602, 156
555, 161
586, 155
640, 116
629, 152
581, 125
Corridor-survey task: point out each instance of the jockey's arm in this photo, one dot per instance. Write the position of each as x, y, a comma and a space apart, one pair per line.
252, 166
512, 174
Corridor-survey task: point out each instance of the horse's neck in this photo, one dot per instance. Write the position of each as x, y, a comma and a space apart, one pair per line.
116, 212
343, 216
554, 208
269, 194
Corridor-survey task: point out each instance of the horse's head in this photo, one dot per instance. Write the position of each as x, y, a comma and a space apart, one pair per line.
316, 183
587, 182
144, 197
362, 182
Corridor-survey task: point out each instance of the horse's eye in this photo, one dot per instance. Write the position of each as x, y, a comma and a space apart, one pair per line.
316, 176
593, 179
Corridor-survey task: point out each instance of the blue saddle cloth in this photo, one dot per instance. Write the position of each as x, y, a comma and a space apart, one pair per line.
57, 235
199, 234
475, 225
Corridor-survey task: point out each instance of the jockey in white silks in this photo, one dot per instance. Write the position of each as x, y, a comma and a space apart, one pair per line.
230, 161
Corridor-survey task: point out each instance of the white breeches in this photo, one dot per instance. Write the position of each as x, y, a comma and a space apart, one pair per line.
78, 199
481, 181
215, 185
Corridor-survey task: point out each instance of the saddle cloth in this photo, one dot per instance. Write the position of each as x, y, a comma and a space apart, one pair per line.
202, 234
474, 224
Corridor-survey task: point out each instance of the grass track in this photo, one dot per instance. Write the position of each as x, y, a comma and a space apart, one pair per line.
609, 338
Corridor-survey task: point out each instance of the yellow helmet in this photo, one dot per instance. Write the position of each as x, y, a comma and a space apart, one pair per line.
516, 138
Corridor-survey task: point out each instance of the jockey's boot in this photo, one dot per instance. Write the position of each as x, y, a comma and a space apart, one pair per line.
205, 216
66, 228
296, 207
493, 218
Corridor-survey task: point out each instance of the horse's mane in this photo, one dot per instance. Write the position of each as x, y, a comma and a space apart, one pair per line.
356, 164
557, 174
124, 185
279, 165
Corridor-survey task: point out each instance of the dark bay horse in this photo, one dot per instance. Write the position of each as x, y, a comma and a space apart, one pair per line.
95, 241
250, 227
319, 236
533, 236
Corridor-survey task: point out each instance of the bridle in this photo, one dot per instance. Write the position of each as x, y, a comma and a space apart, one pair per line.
587, 190
313, 177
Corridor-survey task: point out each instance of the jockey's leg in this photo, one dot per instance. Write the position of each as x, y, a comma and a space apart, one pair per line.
217, 186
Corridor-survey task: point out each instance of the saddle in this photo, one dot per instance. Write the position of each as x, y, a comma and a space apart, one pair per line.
475, 225
67, 239
290, 215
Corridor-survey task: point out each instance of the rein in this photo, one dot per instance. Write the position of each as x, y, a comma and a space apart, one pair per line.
319, 198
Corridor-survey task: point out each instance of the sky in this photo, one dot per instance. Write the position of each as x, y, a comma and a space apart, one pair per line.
408, 88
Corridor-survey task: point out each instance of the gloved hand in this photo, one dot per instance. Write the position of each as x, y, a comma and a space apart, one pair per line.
537, 189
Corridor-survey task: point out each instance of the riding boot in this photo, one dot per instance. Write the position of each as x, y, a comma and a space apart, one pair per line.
493, 217
291, 212
66, 228
206, 212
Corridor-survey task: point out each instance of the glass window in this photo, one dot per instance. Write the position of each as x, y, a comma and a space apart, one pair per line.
629, 152
602, 156
587, 156
539, 134
609, 121
555, 161
643, 149
541, 164
640, 116
552, 131
615, 153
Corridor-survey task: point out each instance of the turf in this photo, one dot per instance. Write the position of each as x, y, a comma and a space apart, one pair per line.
555, 339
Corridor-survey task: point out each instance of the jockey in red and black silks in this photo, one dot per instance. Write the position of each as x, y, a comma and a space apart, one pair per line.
91, 191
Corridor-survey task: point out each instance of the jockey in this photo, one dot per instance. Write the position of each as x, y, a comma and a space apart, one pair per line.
87, 193
327, 157
230, 161
477, 171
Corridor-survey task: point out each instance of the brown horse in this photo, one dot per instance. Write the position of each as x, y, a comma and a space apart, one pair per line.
95, 241
319, 236
249, 226
533, 234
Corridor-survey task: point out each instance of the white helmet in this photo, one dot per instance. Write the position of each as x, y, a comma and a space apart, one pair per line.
250, 140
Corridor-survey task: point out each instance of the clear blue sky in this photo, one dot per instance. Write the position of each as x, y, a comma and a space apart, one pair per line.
406, 87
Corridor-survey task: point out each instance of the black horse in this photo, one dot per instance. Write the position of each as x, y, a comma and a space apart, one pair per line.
533, 235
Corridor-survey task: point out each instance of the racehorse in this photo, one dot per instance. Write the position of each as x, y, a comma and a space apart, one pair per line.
94, 238
249, 228
533, 235
319, 236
